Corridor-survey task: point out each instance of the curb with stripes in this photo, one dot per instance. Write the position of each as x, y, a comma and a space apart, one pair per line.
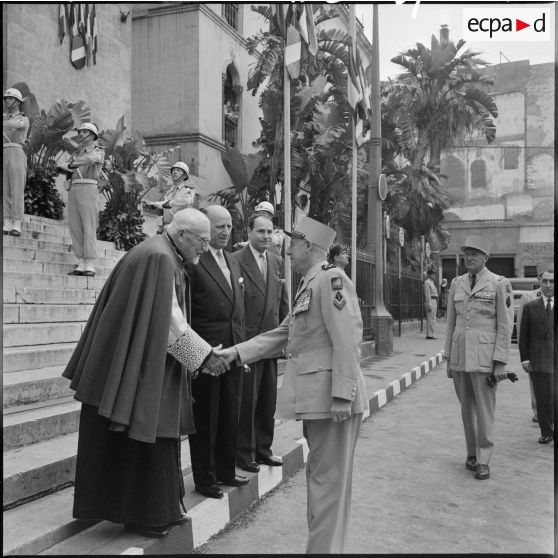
210, 516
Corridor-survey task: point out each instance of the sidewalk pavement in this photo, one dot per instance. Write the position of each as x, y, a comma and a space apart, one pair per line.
386, 376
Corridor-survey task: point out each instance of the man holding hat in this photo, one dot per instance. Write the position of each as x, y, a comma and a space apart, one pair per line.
478, 339
15, 127
323, 383
83, 199
178, 196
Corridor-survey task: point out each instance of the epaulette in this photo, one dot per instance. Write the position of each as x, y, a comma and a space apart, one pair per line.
325, 267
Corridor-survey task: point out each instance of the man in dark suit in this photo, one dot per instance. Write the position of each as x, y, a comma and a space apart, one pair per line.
218, 317
265, 305
536, 350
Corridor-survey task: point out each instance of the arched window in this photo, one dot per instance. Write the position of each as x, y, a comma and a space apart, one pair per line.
232, 97
455, 171
478, 174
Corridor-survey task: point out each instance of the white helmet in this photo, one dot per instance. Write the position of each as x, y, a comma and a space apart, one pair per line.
182, 166
15, 93
90, 127
265, 206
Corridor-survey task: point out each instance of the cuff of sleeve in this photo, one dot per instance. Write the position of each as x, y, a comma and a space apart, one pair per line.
190, 350
344, 388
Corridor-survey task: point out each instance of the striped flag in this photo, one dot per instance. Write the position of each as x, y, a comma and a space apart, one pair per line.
93, 18
301, 36
61, 22
87, 34
354, 94
77, 44
293, 51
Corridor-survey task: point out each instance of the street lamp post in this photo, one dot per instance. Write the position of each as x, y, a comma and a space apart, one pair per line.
381, 319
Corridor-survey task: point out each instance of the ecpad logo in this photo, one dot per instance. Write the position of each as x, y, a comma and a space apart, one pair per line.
507, 24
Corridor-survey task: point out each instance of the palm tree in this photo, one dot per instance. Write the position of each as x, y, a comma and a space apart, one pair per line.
439, 99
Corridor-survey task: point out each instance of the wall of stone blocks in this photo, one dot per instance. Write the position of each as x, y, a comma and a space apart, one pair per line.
35, 55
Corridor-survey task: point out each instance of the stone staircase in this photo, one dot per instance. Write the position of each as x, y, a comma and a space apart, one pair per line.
44, 313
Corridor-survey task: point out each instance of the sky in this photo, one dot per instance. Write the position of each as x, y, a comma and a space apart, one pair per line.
399, 32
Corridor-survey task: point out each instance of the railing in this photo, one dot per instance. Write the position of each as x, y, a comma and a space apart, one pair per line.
404, 298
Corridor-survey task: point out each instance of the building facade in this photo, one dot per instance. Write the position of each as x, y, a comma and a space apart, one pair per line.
505, 190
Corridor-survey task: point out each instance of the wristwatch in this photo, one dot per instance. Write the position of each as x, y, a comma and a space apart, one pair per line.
166, 205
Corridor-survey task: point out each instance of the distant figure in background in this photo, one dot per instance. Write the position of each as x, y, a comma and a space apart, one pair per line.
338, 256
178, 196
443, 300
15, 127
525, 298
430, 303
83, 199
536, 350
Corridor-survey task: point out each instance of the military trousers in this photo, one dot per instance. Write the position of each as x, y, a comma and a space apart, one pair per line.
431, 317
478, 403
329, 477
13, 185
83, 213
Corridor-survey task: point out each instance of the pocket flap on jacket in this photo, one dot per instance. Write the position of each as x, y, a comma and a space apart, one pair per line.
313, 361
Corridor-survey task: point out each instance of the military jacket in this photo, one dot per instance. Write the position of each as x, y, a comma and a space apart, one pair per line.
322, 336
478, 322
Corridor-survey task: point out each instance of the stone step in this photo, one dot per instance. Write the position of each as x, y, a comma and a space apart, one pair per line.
103, 248
29, 424
32, 386
53, 256
23, 279
50, 226
48, 268
33, 471
45, 525
30, 357
37, 313
24, 296
19, 335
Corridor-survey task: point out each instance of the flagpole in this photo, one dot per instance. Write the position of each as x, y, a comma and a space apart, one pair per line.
287, 167
352, 13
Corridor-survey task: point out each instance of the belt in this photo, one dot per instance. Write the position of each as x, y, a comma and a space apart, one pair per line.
13, 145
84, 182
433, 297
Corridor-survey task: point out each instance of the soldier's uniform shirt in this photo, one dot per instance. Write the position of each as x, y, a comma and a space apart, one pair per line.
83, 200
430, 290
181, 196
15, 127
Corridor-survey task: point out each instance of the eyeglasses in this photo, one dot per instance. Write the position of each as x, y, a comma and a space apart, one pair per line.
203, 241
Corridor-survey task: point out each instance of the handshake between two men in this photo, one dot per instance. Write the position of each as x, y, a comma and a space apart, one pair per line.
218, 362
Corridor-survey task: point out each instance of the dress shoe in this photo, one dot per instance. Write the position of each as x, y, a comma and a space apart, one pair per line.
535, 419
89, 273
212, 491
432, 338
15, 232
238, 480
270, 460
250, 466
471, 463
153, 531
545, 439
5, 231
482, 472
76, 272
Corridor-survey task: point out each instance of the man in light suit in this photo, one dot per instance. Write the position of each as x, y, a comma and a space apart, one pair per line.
525, 298
430, 303
265, 306
323, 384
218, 317
536, 350
478, 339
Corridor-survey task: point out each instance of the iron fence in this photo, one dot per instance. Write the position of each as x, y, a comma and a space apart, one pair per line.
404, 296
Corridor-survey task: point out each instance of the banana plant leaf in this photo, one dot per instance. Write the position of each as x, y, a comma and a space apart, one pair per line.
240, 167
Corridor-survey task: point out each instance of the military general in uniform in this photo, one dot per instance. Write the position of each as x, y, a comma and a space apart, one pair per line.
323, 383
477, 347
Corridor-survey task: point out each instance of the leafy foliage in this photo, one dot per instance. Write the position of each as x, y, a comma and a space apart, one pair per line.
41, 196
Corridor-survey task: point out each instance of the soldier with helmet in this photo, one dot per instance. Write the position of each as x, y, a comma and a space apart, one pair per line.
15, 127
179, 196
478, 339
85, 164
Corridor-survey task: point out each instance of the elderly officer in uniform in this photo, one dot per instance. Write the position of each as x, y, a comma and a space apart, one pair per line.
83, 199
478, 339
178, 196
14, 131
323, 384
430, 303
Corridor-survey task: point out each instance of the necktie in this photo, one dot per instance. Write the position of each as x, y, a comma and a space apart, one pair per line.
263, 266
223, 266
548, 309
473, 281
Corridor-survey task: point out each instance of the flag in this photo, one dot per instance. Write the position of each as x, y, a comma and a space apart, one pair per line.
87, 34
61, 22
300, 34
93, 18
354, 94
293, 51
77, 44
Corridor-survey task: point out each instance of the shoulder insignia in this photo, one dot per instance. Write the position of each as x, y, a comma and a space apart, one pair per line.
339, 301
539, 293
325, 267
336, 283
508, 301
